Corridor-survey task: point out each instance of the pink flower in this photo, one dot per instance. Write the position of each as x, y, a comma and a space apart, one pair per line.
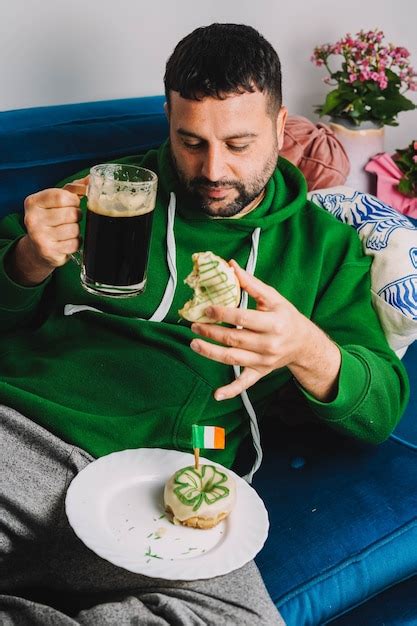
372, 67
382, 80
402, 52
415, 146
415, 158
394, 56
364, 75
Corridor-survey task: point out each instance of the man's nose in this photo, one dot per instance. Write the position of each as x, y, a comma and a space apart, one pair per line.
213, 166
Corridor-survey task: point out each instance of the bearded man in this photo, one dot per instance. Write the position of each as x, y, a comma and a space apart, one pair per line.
82, 376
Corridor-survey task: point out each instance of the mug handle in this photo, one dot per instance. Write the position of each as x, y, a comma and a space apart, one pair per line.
76, 257
79, 187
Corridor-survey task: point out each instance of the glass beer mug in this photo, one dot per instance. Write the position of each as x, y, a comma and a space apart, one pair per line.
120, 204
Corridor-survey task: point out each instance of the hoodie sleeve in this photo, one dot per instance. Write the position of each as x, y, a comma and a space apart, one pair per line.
373, 388
18, 304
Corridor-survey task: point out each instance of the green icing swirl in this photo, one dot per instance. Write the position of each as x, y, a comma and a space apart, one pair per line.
214, 284
194, 487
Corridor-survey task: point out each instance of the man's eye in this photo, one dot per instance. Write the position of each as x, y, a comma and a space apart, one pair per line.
234, 148
192, 146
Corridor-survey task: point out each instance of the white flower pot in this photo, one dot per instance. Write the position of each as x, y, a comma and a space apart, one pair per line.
361, 144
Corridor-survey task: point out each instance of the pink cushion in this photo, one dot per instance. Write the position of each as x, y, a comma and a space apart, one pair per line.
316, 151
388, 176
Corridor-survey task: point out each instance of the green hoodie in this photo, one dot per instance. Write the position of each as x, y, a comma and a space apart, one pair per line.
110, 379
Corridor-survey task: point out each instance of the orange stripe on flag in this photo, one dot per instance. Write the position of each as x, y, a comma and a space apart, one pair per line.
219, 438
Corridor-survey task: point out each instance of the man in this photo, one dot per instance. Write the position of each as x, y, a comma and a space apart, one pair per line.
81, 381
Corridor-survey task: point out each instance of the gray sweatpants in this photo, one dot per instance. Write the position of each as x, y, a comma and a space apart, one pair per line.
48, 576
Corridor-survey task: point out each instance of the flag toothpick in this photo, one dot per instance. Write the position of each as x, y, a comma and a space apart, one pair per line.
206, 437
196, 458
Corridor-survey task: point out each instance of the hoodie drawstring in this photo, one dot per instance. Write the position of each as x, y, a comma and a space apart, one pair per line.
253, 421
168, 296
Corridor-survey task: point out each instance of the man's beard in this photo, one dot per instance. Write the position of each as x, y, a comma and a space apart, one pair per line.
246, 192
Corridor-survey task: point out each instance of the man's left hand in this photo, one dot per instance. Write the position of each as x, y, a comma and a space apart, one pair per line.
273, 336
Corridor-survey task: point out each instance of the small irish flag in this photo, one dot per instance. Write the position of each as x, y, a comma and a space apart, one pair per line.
208, 437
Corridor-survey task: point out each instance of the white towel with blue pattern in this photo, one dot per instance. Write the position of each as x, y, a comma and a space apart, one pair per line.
391, 239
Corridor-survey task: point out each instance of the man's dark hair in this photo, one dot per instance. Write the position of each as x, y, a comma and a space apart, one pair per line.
220, 59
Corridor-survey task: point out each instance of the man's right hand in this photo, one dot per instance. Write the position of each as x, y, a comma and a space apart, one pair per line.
52, 221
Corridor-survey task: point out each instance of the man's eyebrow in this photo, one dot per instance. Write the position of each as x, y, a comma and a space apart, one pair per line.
243, 135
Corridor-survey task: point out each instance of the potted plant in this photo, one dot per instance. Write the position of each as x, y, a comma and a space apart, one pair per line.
369, 86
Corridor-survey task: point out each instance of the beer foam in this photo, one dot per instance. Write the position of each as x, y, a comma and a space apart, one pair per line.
122, 204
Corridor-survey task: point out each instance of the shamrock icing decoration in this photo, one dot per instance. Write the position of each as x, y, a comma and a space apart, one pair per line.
193, 487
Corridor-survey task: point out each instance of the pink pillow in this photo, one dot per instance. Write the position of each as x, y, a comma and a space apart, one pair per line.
388, 176
316, 151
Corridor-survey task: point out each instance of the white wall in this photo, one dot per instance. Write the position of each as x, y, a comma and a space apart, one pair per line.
61, 51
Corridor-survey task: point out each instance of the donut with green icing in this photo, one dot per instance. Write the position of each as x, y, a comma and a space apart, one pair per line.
200, 498
213, 282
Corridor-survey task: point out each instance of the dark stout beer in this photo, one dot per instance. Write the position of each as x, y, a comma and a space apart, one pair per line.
120, 203
116, 248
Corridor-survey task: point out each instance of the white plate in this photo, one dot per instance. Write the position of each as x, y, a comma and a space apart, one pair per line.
115, 506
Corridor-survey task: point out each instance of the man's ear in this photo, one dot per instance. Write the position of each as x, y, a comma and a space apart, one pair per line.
281, 119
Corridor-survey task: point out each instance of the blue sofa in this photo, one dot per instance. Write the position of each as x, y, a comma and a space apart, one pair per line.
342, 547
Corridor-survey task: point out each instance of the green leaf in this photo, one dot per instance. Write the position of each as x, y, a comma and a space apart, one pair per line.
386, 109
333, 99
405, 187
346, 88
358, 107
393, 78
403, 163
400, 103
373, 87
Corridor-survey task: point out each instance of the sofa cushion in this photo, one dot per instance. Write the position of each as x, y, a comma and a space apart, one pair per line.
42, 145
395, 606
315, 149
343, 528
391, 239
343, 516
